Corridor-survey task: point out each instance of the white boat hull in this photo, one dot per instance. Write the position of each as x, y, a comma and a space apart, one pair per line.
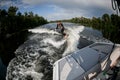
86, 63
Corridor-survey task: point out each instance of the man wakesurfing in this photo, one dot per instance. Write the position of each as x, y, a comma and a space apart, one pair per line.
60, 28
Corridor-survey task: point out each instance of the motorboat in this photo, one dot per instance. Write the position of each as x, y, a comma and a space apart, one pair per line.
86, 63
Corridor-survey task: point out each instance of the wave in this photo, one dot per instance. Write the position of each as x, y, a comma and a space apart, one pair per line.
34, 59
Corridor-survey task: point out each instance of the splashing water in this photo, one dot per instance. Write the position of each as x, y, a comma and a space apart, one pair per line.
43, 30
34, 59
73, 39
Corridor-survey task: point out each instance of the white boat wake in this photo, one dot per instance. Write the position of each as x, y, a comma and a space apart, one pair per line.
34, 59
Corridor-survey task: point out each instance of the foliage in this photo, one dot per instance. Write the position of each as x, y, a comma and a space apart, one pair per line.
13, 30
11, 21
108, 24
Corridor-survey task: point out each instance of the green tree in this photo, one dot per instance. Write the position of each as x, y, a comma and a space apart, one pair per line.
106, 18
12, 11
109, 25
13, 29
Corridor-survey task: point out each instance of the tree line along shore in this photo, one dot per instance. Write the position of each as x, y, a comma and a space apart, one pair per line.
12, 20
14, 25
109, 25
13, 30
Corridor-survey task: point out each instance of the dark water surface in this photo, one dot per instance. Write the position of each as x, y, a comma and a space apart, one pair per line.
35, 57
8, 44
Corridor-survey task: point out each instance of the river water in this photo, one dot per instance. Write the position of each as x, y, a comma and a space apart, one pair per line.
34, 59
